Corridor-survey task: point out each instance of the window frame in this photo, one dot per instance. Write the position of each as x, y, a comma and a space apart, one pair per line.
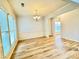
11, 46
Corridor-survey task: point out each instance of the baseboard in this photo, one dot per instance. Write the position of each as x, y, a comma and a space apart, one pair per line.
32, 38
50, 35
35, 38
70, 39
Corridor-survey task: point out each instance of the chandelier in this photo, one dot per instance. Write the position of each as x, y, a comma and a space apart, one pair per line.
36, 16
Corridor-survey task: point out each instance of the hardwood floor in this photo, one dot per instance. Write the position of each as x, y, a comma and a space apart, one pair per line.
46, 48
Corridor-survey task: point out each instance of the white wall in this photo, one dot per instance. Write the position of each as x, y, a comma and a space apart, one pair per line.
47, 27
29, 28
70, 25
69, 7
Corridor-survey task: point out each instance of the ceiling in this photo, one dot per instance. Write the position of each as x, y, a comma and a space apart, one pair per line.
44, 7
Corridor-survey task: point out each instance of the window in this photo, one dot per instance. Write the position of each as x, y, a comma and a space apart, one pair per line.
57, 27
12, 28
4, 32
7, 31
12, 36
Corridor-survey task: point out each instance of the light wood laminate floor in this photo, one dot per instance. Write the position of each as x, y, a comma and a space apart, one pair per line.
46, 48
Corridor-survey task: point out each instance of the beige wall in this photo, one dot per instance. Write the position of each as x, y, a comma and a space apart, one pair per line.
4, 4
70, 25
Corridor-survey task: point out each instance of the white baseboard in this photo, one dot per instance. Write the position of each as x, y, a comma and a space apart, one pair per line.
38, 37
71, 39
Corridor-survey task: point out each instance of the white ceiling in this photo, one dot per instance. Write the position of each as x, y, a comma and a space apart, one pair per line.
44, 7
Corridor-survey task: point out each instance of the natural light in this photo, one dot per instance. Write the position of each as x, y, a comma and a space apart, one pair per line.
7, 27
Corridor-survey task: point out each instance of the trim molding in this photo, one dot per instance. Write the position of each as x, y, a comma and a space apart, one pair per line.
36, 38
71, 39
50, 35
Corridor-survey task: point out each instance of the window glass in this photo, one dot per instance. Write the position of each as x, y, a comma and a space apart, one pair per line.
57, 27
13, 36
12, 24
6, 39
4, 33
3, 21
5, 43
12, 27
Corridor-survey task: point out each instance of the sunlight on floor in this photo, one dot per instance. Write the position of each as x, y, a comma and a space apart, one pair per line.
58, 42
60, 46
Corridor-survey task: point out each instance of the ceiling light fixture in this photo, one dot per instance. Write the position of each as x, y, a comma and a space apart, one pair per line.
36, 16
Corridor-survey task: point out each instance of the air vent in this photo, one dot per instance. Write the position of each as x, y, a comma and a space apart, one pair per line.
22, 4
